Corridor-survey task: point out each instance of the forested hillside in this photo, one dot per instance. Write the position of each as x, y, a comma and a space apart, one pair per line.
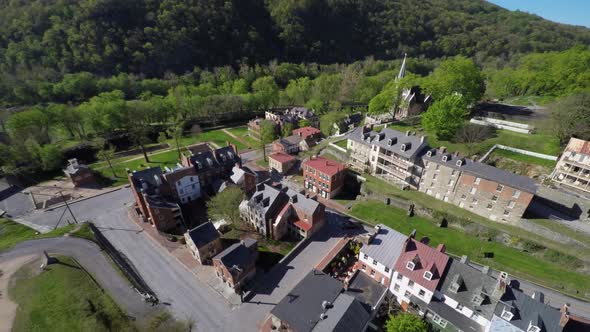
42, 40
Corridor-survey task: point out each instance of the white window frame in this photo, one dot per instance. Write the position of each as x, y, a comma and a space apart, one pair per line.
516, 194
410, 265
477, 180
428, 275
506, 315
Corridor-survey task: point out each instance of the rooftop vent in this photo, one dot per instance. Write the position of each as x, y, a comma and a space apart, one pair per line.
464, 259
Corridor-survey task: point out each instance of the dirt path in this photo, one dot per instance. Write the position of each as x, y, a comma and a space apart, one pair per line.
7, 307
246, 144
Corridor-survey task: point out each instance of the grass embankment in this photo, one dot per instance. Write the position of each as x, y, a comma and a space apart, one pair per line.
12, 233
342, 143
63, 298
513, 261
524, 158
243, 134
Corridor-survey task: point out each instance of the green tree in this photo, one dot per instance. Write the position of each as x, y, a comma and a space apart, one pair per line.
456, 75
571, 117
299, 91
444, 117
268, 133
175, 131
225, 205
51, 157
330, 121
406, 322
106, 153
266, 92
287, 129
33, 123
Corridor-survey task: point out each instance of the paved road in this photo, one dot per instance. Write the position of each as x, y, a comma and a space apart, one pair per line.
93, 260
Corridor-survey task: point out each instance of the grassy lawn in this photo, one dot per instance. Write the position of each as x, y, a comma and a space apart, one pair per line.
381, 187
63, 298
542, 143
242, 132
262, 163
514, 261
343, 143
524, 158
12, 233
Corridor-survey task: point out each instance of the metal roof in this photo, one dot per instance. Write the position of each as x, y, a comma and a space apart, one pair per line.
392, 140
386, 246
345, 315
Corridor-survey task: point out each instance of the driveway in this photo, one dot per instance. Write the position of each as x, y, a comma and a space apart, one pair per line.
92, 259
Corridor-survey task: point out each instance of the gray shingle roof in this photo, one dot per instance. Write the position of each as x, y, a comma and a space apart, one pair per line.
460, 321
148, 176
472, 282
391, 140
302, 306
306, 204
270, 199
203, 234
527, 310
346, 315
386, 246
238, 254
483, 171
291, 140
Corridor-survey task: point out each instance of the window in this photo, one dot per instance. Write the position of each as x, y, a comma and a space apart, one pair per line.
373, 273
431, 184
474, 201
533, 328
421, 293
192, 180
411, 283
463, 197
435, 176
459, 306
364, 267
396, 287
410, 266
516, 194
451, 182
386, 269
437, 319
453, 172
475, 316
477, 180
506, 212
407, 294
507, 315
489, 207
428, 275
374, 262
437, 167
365, 256
494, 198
399, 276
511, 204
499, 188
473, 191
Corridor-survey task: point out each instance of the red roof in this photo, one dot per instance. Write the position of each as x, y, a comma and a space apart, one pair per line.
578, 145
305, 132
303, 225
325, 165
425, 258
281, 157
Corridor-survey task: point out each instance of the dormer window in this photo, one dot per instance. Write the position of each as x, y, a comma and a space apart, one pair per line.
533, 328
403, 147
389, 142
459, 162
507, 315
444, 158
429, 154
410, 265
428, 275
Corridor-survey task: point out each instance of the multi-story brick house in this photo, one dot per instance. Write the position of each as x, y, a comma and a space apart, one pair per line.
388, 154
204, 242
485, 190
418, 272
281, 162
573, 167
211, 164
289, 145
236, 265
308, 133
377, 258
278, 212
323, 176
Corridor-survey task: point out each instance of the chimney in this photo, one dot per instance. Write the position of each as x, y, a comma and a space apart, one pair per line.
425, 240
565, 315
443, 149
464, 259
407, 133
485, 269
441, 248
413, 234
423, 138
539, 296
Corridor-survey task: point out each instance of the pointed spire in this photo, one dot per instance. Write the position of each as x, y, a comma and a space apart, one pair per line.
402, 70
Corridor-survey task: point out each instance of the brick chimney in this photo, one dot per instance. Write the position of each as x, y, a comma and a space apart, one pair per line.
442, 149
423, 138
565, 315
441, 248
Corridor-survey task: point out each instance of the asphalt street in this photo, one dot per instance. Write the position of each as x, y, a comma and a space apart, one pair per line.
89, 255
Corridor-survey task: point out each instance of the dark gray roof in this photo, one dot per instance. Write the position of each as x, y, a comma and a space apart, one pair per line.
471, 282
386, 246
150, 176
346, 315
527, 310
460, 321
366, 290
238, 254
203, 234
204, 160
267, 198
291, 140
159, 202
227, 156
392, 140
302, 306
483, 171
301, 202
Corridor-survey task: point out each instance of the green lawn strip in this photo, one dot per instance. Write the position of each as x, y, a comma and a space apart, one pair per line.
242, 133
12, 233
63, 298
330, 156
514, 261
560, 228
84, 232
262, 163
524, 158
343, 143
379, 186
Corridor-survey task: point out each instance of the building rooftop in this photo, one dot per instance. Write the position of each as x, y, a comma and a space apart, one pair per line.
482, 170
306, 132
290, 140
366, 290
470, 287
303, 306
526, 311
578, 146
203, 234
267, 198
325, 165
150, 177
158, 201
238, 254
424, 259
281, 157
460, 321
403, 144
74, 167
386, 246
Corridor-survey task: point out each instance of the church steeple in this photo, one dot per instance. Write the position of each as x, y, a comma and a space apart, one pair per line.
402, 70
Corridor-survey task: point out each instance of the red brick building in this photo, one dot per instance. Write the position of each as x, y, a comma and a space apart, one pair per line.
236, 265
323, 176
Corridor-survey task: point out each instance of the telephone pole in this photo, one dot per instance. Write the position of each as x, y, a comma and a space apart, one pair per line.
68, 206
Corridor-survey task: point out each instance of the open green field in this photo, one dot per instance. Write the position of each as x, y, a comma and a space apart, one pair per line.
542, 143
513, 261
12, 233
242, 133
524, 158
63, 298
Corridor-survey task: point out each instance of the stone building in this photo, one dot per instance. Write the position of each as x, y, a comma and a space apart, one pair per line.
482, 189
389, 154
281, 162
573, 167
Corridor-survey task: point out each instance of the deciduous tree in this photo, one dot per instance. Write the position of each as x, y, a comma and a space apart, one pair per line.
225, 205
444, 117
406, 322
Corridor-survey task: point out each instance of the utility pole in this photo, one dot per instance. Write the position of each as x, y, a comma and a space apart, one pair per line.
68, 206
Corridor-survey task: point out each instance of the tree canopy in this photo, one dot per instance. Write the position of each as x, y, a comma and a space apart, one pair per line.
571, 117
444, 117
225, 205
455, 75
406, 322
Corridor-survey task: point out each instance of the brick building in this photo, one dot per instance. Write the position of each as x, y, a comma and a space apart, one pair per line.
278, 212
323, 177
80, 174
211, 164
204, 242
485, 190
236, 265
281, 162
183, 184
389, 154
573, 167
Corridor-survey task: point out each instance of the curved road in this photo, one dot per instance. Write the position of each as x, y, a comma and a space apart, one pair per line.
92, 259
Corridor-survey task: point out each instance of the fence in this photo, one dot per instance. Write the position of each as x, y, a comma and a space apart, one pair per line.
521, 151
503, 124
